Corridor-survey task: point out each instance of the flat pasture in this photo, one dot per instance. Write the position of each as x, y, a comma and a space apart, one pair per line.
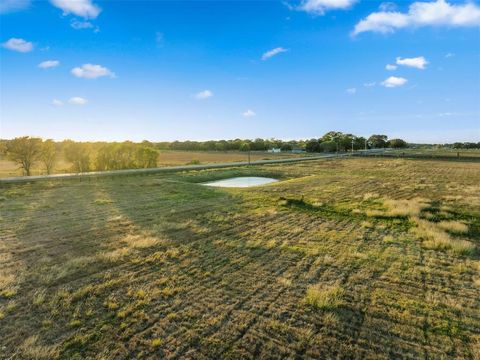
342, 258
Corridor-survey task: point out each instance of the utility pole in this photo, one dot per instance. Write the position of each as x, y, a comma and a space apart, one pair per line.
365, 144
352, 145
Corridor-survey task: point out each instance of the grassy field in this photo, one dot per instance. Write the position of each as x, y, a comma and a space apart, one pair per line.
354, 258
165, 158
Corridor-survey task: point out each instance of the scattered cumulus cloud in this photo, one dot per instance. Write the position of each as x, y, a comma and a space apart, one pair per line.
48, 64
352, 91
273, 52
249, 113
19, 45
388, 6
205, 94
90, 71
81, 25
432, 13
417, 62
390, 67
9, 6
394, 81
84, 8
57, 103
77, 100
319, 7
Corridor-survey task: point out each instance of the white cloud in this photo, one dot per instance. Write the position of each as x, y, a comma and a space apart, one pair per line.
9, 6
352, 91
57, 103
90, 71
76, 100
319, 7
417, 62
49, 64
19, 45
205, 94
83, 8
370, 84
80, 25
387, 6
449, 55
273, 52
432, 13
394, 81
390, 67
249, 113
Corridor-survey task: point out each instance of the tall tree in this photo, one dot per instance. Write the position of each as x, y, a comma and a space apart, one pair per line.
377, 141
48, 155
25, 151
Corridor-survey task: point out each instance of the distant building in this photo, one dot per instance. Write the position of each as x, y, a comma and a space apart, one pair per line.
274, 150
298, 151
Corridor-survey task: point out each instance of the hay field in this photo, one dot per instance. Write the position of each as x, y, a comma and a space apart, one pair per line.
165, 158
353, 258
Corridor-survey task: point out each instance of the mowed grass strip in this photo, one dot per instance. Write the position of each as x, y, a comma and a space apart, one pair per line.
342, 258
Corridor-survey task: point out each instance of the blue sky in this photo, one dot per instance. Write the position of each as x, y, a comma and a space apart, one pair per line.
164, 70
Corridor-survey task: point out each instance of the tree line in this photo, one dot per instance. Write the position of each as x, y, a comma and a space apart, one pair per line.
100, 156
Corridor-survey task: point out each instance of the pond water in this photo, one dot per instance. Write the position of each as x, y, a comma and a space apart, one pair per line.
241, 182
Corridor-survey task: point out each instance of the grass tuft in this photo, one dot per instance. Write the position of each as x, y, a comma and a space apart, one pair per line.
323, 296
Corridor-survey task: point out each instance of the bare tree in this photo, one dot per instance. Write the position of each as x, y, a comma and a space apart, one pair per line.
25, 151
48, 155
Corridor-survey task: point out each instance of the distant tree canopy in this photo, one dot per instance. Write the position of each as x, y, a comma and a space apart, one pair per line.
397, 143
100, 156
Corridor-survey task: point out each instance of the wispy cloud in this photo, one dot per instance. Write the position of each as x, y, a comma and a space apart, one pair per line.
390, 67
18, 45
432, 13
273, 52
249, 113
90, 71
84, 8
205, 94
394, 81
352, 91
81, 25
48, 64
449, 55
77, 100
57, 103
370, 84
319, 7
417, 62
9, 6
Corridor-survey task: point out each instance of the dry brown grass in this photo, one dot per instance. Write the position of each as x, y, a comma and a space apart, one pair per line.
456, 227
411, 207
31, 350
324, 296
436, 238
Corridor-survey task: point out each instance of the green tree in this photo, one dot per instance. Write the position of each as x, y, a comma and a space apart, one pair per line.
78, 154
397, 143
25, 151
312, 146
48, 155
146, 157
328, 146
377, 141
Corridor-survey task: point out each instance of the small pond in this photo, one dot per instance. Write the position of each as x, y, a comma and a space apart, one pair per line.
241, 182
